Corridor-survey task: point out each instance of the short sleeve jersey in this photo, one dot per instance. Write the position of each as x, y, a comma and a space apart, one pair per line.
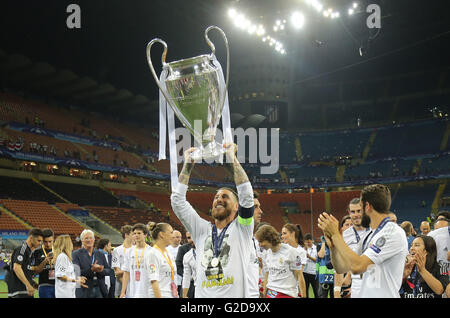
22, 256
134, 264
160, 270
118, 259
353, 238
387, 249
64, 267
280, 266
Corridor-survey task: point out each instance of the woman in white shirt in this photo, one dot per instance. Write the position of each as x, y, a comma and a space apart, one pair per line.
161, 264
282, 264
292, 234
66, 279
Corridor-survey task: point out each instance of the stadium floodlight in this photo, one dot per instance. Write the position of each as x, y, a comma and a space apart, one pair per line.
355, 5
232, 13
351, 11
298, 20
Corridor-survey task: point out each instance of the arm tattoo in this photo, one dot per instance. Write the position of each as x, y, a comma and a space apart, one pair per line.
240, 176
186, 173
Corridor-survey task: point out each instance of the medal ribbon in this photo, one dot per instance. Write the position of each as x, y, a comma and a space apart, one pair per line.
382, 224
168, 261
217, 241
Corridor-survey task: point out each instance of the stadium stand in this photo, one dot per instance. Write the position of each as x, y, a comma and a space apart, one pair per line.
83, 194
41, 214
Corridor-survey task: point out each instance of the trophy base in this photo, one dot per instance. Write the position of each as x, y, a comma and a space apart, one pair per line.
210, 151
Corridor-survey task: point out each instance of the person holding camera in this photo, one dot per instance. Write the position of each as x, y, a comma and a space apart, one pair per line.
41, 262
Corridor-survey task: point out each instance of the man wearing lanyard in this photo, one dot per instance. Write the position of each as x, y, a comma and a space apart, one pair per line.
88, 263
352, 236
223, 248
383, 250
135, 273
41, 264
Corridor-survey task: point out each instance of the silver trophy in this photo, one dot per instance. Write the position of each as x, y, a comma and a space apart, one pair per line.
194, 90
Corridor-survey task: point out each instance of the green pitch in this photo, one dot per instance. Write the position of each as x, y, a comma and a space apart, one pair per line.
4, 290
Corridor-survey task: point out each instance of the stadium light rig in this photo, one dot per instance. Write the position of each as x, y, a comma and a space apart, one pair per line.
297, 22
241, 22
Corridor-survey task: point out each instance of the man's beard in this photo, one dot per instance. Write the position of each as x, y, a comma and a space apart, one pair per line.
223, 215
365, 220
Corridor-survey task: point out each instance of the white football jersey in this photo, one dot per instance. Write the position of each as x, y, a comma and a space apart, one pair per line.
160, 270
352, 238
280, 266
139, 278
387, 249
64, 267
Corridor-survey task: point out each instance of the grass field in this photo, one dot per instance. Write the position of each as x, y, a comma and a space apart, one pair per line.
4, 290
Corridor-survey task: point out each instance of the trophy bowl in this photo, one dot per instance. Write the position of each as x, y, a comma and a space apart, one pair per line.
195, 90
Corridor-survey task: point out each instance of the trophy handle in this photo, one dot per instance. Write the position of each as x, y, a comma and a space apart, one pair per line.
163, 60
213, 49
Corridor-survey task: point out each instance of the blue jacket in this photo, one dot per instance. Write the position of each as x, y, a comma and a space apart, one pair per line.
82, 259
108, 271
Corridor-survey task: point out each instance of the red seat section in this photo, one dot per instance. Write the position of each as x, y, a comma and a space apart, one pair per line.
42, 215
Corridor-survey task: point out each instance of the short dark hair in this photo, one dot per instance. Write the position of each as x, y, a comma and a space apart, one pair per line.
47, 233
308, 237
140, 226
443, 213
378, 196
345, 218
35, 232
353, 201
407, 227
102, 243
231, 190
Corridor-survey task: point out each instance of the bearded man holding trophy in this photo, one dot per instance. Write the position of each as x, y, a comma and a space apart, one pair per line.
195, 91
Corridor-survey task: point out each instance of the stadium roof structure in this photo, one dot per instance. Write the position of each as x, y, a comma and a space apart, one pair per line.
45, 80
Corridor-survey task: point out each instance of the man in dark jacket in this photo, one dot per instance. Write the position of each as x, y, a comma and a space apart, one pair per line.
108, 283
90, 263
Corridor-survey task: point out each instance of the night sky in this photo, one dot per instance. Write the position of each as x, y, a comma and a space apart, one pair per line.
110, 46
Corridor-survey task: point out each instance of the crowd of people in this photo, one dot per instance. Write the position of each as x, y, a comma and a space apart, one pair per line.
364, 255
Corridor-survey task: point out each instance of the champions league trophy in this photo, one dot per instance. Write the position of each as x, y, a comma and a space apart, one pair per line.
195, 90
